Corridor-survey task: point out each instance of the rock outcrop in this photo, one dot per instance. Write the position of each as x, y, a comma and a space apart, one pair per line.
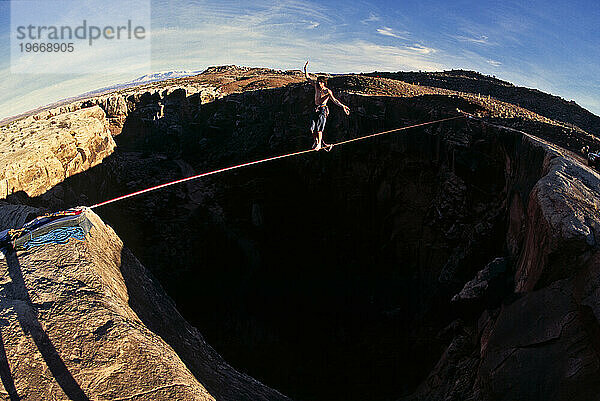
35, 155
542, 346
85, 321
488, 283
541, 342
563, 228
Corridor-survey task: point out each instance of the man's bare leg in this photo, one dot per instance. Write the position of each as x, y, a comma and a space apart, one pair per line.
319, 140
324, 146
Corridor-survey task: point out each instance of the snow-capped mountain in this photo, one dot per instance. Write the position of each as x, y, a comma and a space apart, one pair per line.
145, 79
161, 76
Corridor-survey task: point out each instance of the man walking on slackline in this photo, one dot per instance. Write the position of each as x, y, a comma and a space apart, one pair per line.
319, 117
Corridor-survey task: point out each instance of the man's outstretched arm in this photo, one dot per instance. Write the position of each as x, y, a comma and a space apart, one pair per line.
308, 78
334, 100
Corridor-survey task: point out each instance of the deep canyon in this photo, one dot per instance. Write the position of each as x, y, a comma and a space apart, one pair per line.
455, 261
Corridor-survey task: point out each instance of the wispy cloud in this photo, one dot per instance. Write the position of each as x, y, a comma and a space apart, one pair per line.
367, 56
480, 40
420, 49
495, 63
371, 18
387, 31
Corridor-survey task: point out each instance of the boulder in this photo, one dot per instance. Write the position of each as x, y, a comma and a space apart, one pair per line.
543, 346
562, 225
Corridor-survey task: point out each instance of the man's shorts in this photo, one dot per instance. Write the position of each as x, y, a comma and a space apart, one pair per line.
319, 118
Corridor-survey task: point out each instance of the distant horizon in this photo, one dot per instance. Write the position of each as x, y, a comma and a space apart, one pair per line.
550, 46
109, 88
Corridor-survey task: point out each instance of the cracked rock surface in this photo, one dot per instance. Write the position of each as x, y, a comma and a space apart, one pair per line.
35, 155
85, 321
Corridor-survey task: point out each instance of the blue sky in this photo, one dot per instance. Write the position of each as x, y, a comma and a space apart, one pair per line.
548, 45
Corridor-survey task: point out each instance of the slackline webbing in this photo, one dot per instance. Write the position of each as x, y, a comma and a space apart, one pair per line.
222, 170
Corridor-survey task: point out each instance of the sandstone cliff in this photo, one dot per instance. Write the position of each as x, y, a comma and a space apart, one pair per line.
85, 321
37, 154
540, 339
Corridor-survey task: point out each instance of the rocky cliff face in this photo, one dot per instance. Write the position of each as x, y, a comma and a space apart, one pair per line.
455, 261
85, 321
538, 341
37, 154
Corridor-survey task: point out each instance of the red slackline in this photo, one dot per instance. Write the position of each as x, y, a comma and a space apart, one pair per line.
263, 161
